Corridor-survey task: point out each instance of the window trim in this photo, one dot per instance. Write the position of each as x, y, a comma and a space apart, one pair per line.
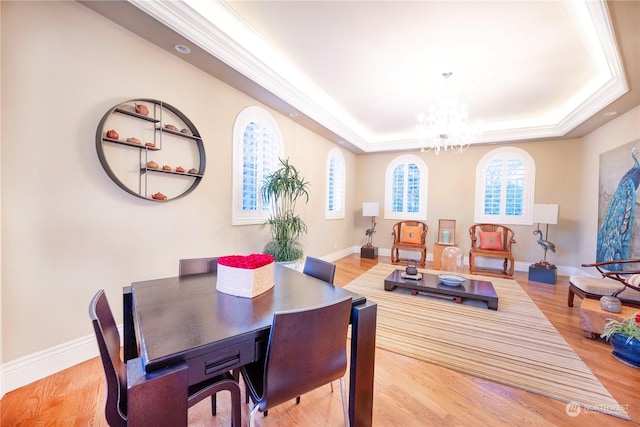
421, 215
527, 194
336, 154
245, 117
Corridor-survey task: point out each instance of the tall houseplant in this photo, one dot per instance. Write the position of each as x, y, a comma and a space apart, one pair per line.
282, 189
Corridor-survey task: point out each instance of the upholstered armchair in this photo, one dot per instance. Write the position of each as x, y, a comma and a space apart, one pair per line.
491, 241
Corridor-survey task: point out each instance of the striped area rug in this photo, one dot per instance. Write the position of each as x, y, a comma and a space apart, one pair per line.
515, 345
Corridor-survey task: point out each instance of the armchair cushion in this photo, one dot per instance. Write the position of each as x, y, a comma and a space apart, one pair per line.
491, 240
411, 234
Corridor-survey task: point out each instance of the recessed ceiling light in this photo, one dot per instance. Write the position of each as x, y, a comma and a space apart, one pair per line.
182, 49
293, 114
610, 113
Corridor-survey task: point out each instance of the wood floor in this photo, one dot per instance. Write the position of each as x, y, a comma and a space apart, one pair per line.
407, 392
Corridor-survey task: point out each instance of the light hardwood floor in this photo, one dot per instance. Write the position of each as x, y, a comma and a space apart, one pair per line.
407, 392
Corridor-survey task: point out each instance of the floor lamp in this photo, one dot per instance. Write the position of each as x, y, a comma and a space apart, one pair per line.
371, 209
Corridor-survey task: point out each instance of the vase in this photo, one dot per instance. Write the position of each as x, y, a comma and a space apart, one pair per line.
626, 352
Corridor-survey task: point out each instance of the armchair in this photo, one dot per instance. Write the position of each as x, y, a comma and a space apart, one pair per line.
409, 236
491, 241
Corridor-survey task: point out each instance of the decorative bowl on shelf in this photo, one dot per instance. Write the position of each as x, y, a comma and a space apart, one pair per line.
451, 279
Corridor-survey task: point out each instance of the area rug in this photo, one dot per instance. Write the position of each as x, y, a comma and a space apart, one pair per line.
515, 345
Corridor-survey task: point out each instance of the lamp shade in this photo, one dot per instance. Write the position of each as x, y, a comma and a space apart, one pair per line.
545, 214
370, 209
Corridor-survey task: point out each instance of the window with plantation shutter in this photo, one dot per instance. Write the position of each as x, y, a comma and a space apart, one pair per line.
505, 185
406, 188
335, 185
257, 146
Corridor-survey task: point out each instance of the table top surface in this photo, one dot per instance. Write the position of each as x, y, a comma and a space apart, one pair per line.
187, 315
470, 288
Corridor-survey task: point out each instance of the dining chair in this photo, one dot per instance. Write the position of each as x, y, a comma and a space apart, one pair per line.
187, 267
115, 370
306, 349
322, 270
319, 269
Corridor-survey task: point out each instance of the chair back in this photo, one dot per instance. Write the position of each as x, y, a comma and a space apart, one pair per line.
115, 369
410, 233
190, 266
452, 259
319, 269
307, 349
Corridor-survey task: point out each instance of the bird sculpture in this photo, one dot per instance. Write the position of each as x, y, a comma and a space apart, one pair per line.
370, 232
546, 245
614, 235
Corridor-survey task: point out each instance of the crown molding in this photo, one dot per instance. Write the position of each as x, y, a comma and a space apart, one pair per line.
216, 28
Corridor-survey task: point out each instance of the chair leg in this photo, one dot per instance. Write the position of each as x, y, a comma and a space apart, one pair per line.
236, 411
345, 409
214, 405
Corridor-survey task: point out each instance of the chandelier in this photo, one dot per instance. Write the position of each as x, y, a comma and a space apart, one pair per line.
446, 127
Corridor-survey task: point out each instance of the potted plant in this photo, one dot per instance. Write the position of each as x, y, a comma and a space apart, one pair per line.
624, 336
282, 189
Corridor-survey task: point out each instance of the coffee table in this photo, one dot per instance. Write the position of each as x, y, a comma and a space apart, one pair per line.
429, 284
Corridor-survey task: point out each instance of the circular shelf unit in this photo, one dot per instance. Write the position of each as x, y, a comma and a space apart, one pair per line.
164, 137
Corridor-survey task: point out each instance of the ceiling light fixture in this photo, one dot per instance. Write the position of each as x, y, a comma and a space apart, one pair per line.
182, 49
446, 127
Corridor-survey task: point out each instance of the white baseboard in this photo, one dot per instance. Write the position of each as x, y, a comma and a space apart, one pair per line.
33, 367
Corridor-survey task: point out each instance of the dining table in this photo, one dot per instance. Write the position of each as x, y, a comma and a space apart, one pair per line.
179, 331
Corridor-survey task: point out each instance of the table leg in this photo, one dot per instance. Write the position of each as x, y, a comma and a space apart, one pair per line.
361, 371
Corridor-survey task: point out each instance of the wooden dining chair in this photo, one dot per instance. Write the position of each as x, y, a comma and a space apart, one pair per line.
319, 269
115, 370
187, 267
306, 349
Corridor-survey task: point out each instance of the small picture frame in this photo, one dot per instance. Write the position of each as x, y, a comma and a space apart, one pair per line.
447, 232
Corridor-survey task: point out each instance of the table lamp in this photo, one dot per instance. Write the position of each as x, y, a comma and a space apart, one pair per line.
371, 209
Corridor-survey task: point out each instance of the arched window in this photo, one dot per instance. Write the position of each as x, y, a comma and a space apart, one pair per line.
257, 146
335, 185
505, 186
406, 188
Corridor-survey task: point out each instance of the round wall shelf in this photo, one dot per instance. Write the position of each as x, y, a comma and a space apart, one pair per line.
150, 150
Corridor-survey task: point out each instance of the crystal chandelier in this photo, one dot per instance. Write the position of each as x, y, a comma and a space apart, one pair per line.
446, 127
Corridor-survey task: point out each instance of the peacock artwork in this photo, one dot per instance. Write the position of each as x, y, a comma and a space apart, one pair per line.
618, 225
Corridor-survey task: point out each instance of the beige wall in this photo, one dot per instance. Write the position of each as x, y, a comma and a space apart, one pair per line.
67, 230
451, 195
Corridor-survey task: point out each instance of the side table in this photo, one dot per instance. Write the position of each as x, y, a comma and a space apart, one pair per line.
593, 318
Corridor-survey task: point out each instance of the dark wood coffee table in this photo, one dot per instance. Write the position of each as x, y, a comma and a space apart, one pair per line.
477, 290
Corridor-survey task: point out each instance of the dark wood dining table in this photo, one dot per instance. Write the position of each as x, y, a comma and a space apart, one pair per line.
179, 331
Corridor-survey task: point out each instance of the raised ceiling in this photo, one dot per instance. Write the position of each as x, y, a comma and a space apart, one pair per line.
359, 72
